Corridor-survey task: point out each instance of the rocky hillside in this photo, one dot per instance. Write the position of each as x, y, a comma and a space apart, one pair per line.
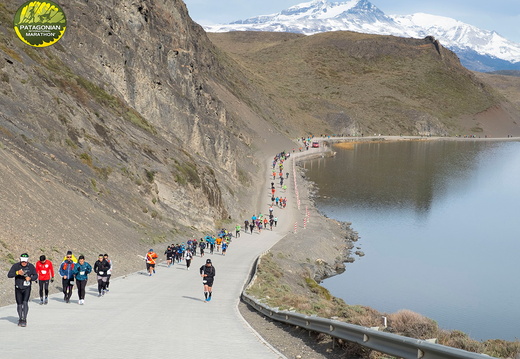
351, 83
117, 137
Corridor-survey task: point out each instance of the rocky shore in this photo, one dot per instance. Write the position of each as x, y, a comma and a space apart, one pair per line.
301, 260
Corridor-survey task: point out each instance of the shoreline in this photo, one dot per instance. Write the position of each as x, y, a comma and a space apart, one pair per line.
288, 245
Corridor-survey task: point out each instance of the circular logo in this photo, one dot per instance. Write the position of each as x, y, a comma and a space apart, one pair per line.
40, 23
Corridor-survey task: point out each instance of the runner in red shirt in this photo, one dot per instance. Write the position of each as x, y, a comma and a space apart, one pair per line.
45, 271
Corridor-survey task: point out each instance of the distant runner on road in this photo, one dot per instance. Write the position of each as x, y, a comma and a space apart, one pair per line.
207, 272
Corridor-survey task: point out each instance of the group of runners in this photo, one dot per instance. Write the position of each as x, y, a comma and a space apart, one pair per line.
72, 271
177, 253
76, 271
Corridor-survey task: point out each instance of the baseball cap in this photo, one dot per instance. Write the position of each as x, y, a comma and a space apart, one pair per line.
208, 261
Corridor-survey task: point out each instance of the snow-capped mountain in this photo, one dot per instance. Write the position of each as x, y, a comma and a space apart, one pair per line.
478, 49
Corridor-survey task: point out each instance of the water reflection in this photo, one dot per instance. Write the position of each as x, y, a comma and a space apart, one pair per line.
439, 227
399, 174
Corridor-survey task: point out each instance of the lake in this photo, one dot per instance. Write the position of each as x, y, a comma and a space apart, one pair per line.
439, 223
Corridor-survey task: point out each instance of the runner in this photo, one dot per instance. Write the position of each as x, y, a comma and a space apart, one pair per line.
67, 276
71, 256
45, 271
224, 248
101, 268
237, 230
169, 256
151, 256
207, 272
219, 242
81, 272
109, 272
23, 273
188, 256
202, 246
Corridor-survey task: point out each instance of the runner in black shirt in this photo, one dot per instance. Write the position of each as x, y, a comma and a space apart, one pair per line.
23, 273
207, 272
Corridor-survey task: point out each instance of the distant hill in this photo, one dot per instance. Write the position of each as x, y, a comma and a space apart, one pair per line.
506, 72
478, 49
353, 83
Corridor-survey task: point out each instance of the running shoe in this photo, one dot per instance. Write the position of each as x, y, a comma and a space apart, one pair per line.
99, 295
46, 300
41, 301
23, 323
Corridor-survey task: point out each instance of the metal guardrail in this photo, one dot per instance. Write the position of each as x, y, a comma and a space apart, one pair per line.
388, 343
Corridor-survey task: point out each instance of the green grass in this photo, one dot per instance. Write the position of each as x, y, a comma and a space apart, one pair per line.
86, 159
150, 175
186, 172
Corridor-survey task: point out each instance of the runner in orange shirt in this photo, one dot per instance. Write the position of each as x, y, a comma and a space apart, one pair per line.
151, 256
219, 243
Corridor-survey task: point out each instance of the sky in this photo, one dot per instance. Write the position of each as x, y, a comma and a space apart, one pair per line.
502, 16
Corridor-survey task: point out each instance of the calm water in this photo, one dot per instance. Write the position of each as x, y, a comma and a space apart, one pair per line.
440, 226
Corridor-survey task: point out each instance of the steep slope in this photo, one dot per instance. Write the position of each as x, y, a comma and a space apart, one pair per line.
115, 138
351, 83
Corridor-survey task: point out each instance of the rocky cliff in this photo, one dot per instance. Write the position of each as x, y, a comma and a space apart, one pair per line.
116, 137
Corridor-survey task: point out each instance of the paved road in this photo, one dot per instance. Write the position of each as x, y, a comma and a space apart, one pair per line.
145, 317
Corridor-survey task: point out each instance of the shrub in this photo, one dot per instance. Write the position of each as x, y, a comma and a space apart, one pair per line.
412, 324
502, 349
150, 175
86, 159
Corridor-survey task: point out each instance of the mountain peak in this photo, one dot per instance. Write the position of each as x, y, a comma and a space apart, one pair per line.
486, 48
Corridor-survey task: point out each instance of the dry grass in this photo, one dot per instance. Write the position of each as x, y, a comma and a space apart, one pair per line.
334, 80
413, 325
301, 293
